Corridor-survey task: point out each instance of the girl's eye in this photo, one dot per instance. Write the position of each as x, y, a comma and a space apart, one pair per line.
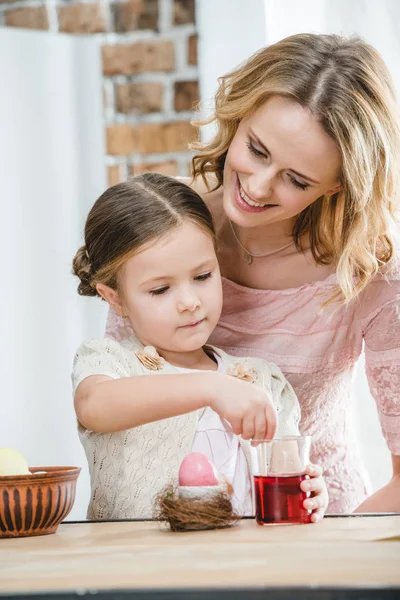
301, 186
254, 150
159, 291
203, 276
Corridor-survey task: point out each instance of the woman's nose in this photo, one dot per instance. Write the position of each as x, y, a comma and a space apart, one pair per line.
261, 184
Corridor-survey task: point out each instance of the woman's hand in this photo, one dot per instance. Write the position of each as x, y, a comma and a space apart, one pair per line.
246, 407
318, 500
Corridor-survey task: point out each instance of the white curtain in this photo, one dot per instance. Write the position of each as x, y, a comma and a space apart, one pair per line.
229, 31
51, 171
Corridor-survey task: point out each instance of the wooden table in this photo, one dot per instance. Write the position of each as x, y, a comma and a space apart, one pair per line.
347, 557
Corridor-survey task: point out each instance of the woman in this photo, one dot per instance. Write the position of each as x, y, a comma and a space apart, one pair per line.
302, 178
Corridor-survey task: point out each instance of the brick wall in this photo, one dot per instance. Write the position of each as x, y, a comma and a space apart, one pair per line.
150, 76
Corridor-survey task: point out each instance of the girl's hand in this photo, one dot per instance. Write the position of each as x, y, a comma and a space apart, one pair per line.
246, 407
318, 500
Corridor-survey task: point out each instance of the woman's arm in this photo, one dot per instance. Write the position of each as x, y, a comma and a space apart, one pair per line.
382, 358
387, 499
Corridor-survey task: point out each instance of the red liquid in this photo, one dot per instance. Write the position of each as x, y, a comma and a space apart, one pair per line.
280, 499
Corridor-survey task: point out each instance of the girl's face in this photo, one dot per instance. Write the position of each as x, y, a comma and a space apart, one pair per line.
279, 162
171, 290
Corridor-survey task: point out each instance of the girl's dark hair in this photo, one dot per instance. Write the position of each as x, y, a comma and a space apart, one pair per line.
131, 214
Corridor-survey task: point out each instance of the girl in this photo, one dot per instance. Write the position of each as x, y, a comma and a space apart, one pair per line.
149, 252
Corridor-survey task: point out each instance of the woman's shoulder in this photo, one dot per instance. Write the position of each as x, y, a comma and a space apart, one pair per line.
383, 291
387, 277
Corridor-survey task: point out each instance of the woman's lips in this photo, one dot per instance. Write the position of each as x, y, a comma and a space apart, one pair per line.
243, 205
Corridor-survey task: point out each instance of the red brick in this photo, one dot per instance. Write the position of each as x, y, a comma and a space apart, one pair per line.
186, 95
82, 18
138, 58
184, 12
120, 139
192, 50
135, 14
155, 138
169, 167
114, 175
29, 18
139, 97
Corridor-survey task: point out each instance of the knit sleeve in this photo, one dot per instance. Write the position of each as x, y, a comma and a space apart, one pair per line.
285, 400
99, 357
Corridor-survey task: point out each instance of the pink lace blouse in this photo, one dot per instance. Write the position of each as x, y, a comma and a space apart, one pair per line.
317, 351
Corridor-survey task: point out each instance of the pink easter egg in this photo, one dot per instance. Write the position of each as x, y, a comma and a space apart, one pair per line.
197, 470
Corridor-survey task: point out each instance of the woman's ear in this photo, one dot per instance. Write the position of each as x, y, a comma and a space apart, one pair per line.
334, 190
112, 297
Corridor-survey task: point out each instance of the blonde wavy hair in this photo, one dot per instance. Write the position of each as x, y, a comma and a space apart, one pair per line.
346, 85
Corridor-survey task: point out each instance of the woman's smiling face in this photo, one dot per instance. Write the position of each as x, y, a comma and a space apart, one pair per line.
279, 162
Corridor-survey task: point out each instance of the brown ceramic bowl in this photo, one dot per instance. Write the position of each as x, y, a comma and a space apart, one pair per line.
36, 504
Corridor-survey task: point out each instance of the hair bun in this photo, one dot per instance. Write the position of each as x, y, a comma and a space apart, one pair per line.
81, 268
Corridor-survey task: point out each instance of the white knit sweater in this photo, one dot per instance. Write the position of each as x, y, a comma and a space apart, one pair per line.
129, 468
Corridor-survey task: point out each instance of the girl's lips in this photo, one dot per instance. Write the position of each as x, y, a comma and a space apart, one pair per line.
191, 324
243, 205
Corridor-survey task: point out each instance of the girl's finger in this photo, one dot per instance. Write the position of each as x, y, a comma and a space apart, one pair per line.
313, 470
248, 427
272, 422
260, 426
318, 515
237, 426
314, 503
313, 485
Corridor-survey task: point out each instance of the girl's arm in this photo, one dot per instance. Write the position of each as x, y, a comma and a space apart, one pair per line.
104, 404
108, 398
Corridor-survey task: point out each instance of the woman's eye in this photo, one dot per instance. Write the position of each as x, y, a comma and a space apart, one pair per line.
159, 291
301, 186
203, 276
254, 150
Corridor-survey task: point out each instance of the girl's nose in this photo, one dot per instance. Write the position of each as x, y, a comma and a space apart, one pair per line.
188, 301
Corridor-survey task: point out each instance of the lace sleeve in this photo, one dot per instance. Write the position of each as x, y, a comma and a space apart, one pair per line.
117, 328
285, 400
382, 356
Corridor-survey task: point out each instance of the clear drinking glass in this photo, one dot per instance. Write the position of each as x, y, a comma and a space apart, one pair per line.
279, 469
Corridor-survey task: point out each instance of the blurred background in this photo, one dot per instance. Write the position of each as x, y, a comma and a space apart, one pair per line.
92, 92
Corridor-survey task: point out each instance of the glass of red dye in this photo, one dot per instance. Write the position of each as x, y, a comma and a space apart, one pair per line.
279, 469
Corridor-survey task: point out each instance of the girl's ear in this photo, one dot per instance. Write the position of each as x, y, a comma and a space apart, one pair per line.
112, 297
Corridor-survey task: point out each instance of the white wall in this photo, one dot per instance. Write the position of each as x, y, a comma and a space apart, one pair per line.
51, 171
229, 32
